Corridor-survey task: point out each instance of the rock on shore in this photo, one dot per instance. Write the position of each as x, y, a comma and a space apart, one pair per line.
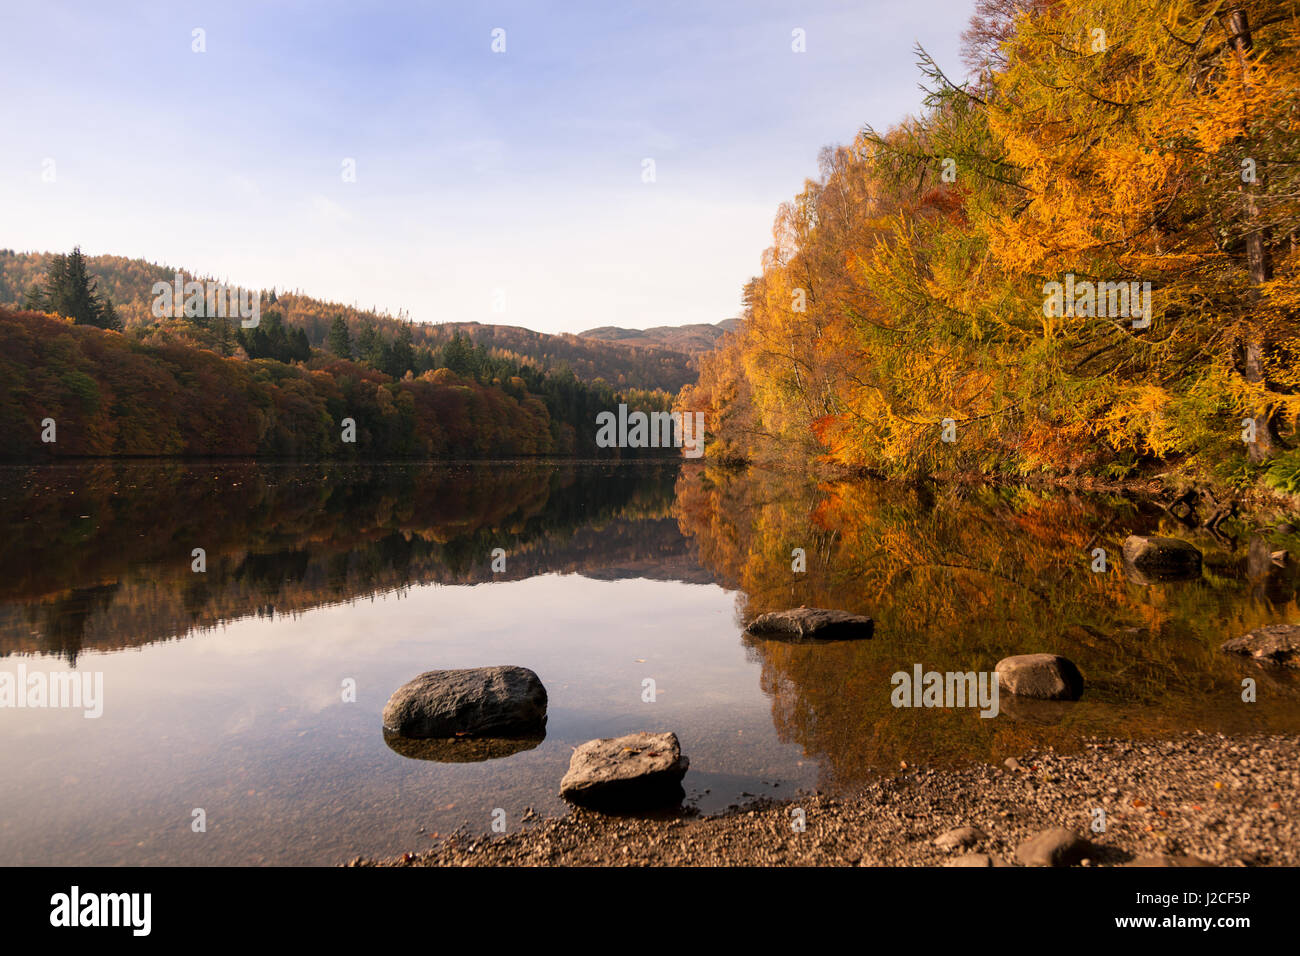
1228, 801
483, 701
1043, 676
1167, 860
960, 838
811, 624
1055, 847
636, 771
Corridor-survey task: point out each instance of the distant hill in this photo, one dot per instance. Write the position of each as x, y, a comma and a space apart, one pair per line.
622, 364
690, 339
621, 358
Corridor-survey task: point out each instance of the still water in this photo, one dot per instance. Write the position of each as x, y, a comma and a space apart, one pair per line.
230, 691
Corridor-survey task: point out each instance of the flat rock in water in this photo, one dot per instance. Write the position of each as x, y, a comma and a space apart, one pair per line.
637, 771
1275, 644
1156, 557
811, 624
1055, 847
1044, 676
483, 701
960, 837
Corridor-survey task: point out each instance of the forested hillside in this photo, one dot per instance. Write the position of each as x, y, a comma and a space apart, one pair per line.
933, 302
70, 389
129, 283
691, 339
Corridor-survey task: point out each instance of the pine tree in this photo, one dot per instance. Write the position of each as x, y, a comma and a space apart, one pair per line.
70, 291
223, 337
458, 354
403, 354
340, 340
370, 345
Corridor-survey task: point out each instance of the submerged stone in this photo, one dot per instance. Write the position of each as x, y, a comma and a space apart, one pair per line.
463, 749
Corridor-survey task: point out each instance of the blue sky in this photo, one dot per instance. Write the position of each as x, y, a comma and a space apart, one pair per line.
511, 178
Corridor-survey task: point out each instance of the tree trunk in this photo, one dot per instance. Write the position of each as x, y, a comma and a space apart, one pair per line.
1258, 263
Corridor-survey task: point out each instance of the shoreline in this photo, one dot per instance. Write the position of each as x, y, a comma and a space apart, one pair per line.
1191, 800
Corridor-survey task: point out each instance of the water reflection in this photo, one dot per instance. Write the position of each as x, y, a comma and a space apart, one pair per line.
957, 579
229, 697
102, 557
460, 749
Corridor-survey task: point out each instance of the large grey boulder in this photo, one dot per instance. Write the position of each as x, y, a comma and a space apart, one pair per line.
1275, 644
1055, 847
1156, 558
1043, 676
483, 701
636, 771
811, 624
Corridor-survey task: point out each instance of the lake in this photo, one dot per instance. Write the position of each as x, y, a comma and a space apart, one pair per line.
252, 690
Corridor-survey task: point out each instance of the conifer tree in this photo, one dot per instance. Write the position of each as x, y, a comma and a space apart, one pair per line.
340, 340
70, 291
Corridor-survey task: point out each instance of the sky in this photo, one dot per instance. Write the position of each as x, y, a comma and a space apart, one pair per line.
507, 187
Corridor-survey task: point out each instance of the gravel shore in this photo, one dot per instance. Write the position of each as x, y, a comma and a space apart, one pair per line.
1227, 801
